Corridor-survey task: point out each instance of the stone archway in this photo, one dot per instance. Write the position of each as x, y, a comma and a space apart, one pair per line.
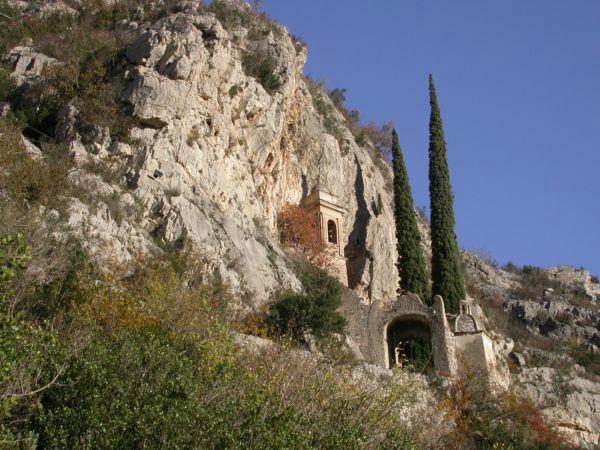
407, 317
409, 343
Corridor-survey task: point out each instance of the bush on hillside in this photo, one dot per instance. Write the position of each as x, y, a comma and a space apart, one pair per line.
484, 419
257, 61
26, 179
89, 54
144, 356
31, 361
30, 355
313, 312
43, 291
171, 395
299, 232
154, 379
534, 281
14, 256
157, 338
378, 136
234, 16
327, 111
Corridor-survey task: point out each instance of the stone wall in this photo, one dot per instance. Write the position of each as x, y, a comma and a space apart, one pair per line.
475, 353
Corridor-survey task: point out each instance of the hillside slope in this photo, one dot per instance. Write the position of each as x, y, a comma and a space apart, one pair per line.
171, 126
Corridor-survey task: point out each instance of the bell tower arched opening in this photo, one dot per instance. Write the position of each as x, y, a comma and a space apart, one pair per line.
331, 232
409, 344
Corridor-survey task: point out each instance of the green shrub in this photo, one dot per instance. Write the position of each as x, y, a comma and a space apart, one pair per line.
14, 256
5, 83
146, 360
234, 16
314, 311
30, 361
146, 389
131, 389
30, 356
53, 296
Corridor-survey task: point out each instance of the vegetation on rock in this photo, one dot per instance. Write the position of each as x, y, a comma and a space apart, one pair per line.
369, 134
87, 53
147, 360
497, 420
28, 179
446, 271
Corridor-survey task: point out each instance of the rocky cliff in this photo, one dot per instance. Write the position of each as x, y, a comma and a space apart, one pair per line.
548, 321
214, 155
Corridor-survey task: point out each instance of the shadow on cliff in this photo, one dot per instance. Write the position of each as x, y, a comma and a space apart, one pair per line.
356, 251
304, 186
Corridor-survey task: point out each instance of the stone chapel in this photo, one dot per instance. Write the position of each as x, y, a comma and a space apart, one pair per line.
387, 331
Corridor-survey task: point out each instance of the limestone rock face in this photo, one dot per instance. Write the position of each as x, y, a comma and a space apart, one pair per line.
571, 402
215, 156
541, 328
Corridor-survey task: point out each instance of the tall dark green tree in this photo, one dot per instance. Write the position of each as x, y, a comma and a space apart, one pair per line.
411, 262
446, 272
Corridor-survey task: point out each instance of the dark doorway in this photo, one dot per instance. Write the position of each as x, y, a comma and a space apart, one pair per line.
409, 345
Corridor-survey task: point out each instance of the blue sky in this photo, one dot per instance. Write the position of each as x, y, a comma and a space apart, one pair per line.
518, 88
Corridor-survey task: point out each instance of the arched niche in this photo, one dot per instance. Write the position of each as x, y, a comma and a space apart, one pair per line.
332, 235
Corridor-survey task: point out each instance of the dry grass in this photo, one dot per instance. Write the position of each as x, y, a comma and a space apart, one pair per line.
324, 393
484, 419
30, 180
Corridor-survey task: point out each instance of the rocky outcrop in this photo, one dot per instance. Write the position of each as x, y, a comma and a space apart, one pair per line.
26, 63
558, 319
570, 402
543, 328
576, 280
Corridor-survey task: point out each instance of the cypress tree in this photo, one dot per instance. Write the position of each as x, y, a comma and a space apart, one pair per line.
446, 272
411, 262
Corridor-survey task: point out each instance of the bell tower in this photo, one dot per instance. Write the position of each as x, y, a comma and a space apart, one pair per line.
330, 219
